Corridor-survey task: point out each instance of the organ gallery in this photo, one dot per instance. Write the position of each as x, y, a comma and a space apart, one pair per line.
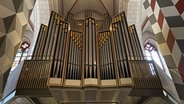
90, 61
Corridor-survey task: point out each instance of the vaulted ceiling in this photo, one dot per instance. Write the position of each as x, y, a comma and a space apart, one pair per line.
78, 7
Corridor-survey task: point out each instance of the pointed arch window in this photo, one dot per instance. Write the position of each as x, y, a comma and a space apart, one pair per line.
21, 54
152, 54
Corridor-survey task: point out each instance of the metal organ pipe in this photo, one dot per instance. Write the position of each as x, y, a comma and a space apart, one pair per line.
90, 49
38, 51
136, 42
73, 70
107, 70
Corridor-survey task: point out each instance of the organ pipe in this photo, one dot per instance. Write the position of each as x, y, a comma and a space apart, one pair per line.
38, 51
105, 51
90, 70
74, 69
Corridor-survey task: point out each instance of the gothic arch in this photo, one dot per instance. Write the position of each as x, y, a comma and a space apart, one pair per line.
149, 37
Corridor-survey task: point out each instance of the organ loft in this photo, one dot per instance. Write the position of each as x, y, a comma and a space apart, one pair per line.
89, 61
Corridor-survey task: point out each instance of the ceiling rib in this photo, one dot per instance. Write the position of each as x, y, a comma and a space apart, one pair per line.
73, 5
103, 6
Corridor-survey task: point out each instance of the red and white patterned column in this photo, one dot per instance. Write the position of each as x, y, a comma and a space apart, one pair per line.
167, 20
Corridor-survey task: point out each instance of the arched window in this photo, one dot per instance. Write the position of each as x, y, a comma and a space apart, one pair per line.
153, 54
21, 54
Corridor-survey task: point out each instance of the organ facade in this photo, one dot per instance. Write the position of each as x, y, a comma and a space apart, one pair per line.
89, 61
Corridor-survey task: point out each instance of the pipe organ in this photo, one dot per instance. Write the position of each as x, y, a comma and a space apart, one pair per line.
68, 55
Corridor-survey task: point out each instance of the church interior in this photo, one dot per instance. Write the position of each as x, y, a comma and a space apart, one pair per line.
91, 52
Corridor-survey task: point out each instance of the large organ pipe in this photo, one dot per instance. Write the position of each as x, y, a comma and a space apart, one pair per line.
50, 44
54, 46
125, 32
57, 59
123, 45
69, 60
94, 49
52, 39
38, 51
48, 35
35, 53
116, 39
49, 40
111, 57
90, 49
63, 46
136, 42
108, 60
74, 59
86, 50
124, 57
57, 53
42, 44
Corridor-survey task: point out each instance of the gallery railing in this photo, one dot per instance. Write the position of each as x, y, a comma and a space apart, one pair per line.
34, 74
144, 74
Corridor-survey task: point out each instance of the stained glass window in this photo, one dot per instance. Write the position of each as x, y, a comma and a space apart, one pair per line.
21, 54
153, 54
